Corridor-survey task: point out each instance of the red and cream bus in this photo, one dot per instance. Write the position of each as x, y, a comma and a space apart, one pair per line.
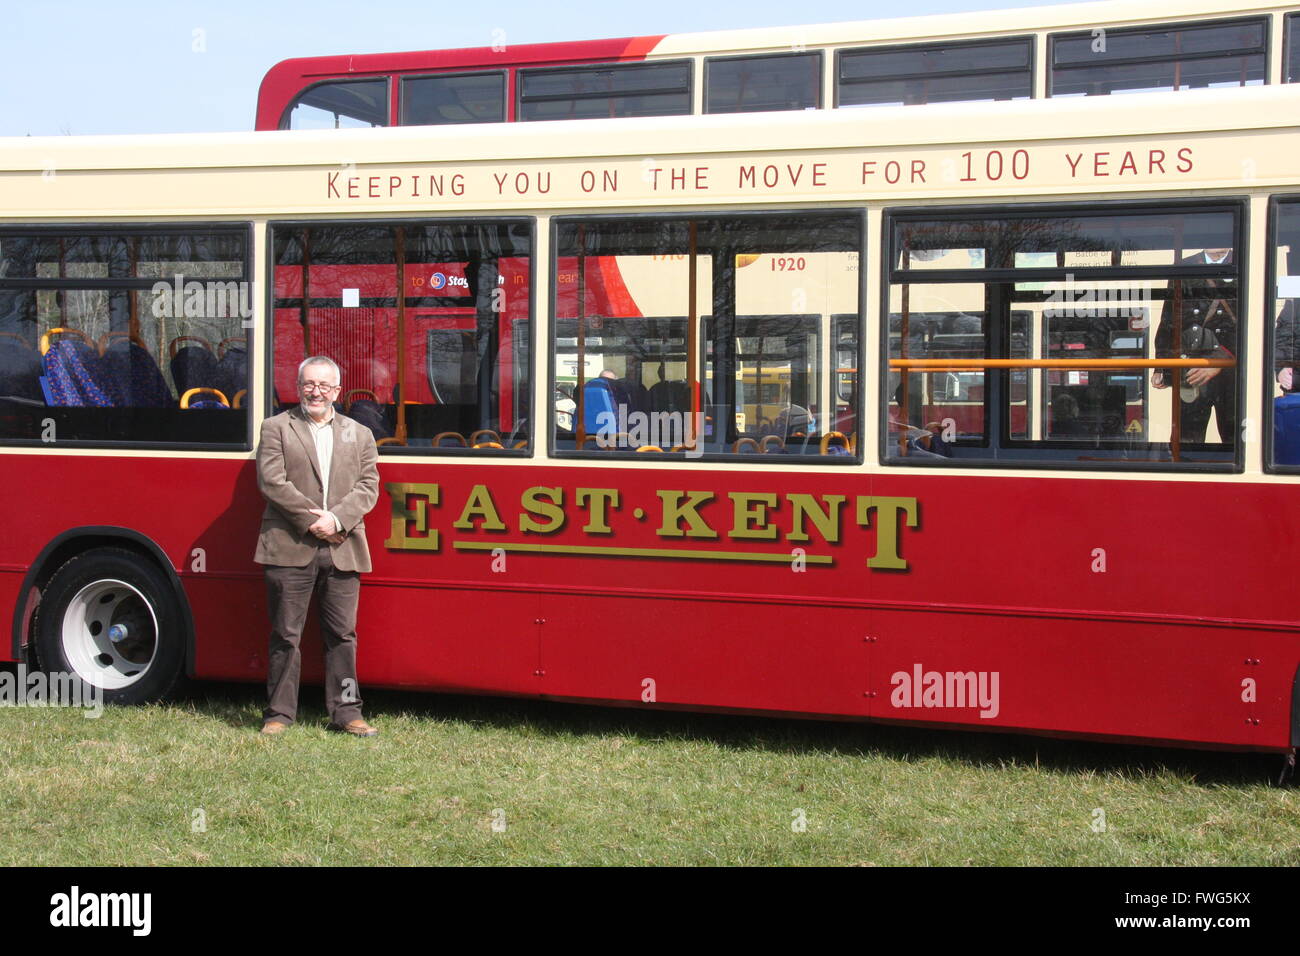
864, 422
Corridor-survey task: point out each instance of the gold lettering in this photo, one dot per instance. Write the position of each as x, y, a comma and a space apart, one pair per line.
545, 503
479, 505
674, 512
601, 500
750, 507
410, 503
887, 510
826, 522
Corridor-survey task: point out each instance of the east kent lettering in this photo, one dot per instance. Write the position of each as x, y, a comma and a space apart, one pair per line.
676, 523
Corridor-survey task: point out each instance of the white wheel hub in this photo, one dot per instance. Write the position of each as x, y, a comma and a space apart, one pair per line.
110, 634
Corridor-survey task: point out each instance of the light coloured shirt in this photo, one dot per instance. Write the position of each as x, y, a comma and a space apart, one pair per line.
322, 433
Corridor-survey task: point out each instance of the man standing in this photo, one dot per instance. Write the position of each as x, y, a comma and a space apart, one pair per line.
317, 470
1209, 330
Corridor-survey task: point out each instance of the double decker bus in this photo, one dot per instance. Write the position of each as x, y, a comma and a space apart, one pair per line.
863, 420
1065, 51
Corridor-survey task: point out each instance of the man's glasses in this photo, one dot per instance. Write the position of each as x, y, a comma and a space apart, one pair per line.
324, 388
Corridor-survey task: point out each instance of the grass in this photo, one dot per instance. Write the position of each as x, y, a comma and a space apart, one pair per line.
583, 785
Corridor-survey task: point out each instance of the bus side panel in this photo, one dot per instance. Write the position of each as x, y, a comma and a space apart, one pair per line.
11, 597
1154, 681
203, 513
231, 627
448, 639
1145, 608
718, 653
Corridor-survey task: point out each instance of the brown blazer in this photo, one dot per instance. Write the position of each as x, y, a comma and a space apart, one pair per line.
288, 475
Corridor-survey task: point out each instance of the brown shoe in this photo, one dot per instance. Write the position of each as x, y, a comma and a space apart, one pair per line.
357, 728
273, 727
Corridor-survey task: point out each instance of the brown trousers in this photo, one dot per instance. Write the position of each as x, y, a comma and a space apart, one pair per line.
289, 593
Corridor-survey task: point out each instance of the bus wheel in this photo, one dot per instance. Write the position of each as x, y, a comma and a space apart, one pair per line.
110, 617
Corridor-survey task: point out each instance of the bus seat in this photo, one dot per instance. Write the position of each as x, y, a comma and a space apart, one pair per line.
135, 375
232, 365
670, 396
367, 411
370, 414
20, 370
192, 366
834, 443
74, 374
1286, 430
598, 398
195, 398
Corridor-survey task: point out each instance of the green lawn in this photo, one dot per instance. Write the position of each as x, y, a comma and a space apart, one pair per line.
576, 784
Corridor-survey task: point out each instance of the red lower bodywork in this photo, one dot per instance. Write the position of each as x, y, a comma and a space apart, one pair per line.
1149, 610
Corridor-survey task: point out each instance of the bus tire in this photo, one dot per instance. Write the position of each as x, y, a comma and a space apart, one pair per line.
109, 617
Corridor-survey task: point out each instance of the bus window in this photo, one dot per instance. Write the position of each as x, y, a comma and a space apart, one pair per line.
133, 337
1169, 57
749, 84
936, 73
608, 90
453, 98
339, 104
1292, 55
428, 322
1039, 338
1285, 364
740, 370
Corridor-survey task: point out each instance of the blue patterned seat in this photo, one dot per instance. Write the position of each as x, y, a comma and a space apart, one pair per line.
75, 375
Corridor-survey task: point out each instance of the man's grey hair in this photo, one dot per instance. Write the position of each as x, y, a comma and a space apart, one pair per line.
320, 360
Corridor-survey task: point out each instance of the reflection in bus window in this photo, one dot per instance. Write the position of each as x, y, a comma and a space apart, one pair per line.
1030, 338
749, 84
136, 336
936, 73
609, 90
428, 322
1285, 364
1173, 57
453, 99
740, 368
340, 104
1291, 65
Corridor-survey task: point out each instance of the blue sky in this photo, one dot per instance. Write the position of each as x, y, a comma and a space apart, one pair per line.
76, 67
